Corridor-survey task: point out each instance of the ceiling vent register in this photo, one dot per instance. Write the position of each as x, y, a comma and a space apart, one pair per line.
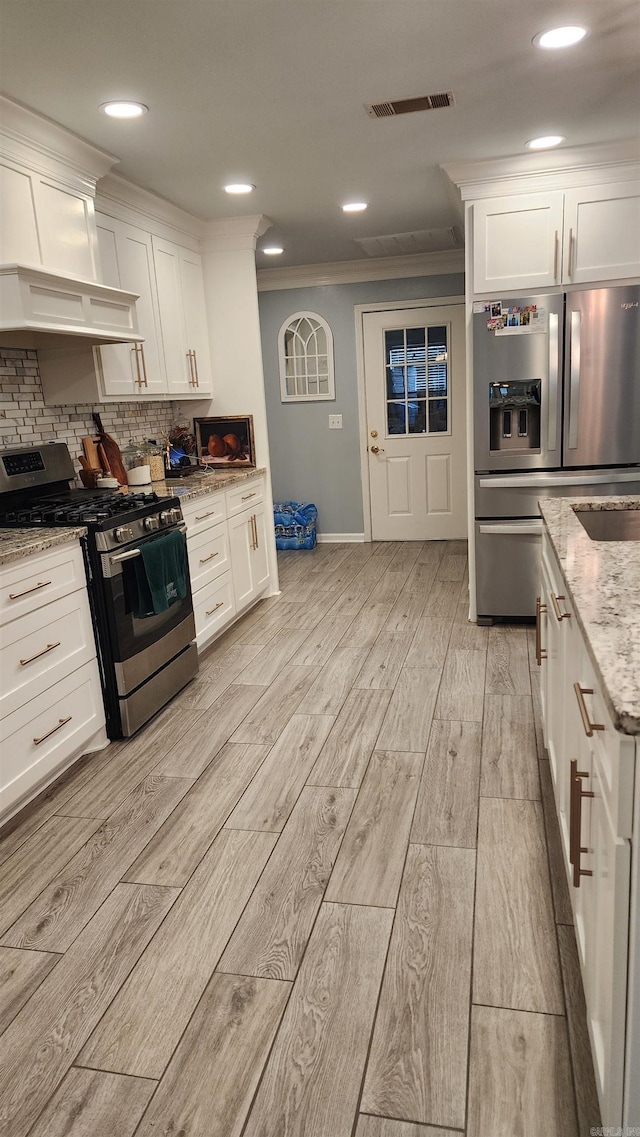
408, 106
401, 244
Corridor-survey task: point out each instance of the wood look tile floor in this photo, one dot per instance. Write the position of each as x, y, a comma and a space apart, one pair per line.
320, 895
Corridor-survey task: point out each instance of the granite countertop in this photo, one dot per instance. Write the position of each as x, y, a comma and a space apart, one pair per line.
603, 583
197, 485
18, 543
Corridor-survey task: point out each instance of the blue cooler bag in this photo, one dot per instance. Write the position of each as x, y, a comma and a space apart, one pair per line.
295, 525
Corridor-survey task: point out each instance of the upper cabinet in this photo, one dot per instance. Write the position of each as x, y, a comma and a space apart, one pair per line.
127, 370
536, 240
183, 319
601, 233
517, 241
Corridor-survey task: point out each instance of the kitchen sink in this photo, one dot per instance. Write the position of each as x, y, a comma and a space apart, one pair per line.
610, 524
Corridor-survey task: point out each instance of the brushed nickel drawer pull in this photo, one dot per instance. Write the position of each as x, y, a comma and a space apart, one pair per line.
589, 726
40, 584
556, 607
196, 377
255, 532
248, 495
61, 723
49, 647
210, 611
203, 516
137, 358
540, 652
203, 560
145, 381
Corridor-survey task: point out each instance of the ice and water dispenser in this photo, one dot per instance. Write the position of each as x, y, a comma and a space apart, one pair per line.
514, 415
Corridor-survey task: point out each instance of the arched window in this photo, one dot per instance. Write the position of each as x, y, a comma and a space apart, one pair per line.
305, 349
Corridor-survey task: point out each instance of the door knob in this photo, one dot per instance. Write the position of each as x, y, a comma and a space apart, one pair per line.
377, 449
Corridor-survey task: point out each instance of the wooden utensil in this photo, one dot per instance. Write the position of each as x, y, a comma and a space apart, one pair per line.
90, 447
104, 461
111, 453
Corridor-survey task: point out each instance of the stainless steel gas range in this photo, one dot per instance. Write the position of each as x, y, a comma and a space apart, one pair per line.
144, 659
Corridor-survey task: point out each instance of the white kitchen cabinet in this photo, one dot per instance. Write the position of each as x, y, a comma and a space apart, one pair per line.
517, 242
593, 770
183, 319
249, 559
575, 236
131, 370
601, 233
51, 708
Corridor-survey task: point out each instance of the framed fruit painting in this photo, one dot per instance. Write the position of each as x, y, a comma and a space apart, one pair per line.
225, 442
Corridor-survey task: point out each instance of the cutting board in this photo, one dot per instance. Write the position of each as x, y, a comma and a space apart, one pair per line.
112, 452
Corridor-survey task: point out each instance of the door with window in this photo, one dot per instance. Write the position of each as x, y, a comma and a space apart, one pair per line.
414, 371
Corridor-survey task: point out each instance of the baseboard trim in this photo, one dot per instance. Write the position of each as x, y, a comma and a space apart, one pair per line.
339, 538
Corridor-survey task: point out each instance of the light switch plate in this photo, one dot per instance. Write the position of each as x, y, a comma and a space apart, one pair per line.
335, 422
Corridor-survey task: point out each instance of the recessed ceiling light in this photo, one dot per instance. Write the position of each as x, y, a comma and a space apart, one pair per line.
124, 109
273, 250
355, 206
545, 142
560, 37
239, 187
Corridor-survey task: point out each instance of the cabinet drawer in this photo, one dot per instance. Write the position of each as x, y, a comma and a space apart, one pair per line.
42, 647
204, 512
208, 555
244, 496
213, 607
614, 752
50, 731
29, 583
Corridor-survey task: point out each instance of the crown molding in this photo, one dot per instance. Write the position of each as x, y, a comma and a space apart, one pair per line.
44, 147
357, 272
597, 164
120, 198
234, 234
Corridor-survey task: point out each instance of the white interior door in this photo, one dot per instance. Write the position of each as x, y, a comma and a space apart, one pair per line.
414, 369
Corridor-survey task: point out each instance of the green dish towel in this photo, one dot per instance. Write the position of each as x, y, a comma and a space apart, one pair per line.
158, 577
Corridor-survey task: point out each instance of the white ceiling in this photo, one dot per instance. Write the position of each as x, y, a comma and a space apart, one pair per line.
272, 91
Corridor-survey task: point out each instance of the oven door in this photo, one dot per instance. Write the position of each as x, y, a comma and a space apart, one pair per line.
141, 647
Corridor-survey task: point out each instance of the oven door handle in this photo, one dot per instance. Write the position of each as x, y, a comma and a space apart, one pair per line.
512, 528
128, 556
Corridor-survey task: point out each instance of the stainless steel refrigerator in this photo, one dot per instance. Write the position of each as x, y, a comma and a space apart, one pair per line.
556, 414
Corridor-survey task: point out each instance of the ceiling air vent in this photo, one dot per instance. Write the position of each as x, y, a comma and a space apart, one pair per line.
419, 241
408, 106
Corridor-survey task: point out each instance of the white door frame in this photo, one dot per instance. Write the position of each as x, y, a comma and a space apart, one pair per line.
361, 310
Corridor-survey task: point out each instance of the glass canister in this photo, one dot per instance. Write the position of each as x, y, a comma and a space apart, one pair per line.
135, 463
154, 457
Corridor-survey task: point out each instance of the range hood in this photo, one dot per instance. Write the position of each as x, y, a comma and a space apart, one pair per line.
44, 309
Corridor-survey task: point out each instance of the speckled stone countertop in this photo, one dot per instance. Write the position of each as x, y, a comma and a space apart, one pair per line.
603, 583
18, 543
197, 485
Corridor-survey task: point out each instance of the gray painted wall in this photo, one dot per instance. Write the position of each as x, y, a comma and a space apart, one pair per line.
309, 462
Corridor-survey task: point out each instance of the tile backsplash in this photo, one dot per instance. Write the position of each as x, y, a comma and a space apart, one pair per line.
25, 420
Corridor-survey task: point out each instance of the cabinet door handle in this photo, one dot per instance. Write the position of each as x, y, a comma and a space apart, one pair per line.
255, 532
210, 611
556, 607
196, 377
555, 258
252, 531
137, 359
247, 496
144, 365
575, 822
589, 726
540, 653
59, 726
192, 381
49, 647
203, 516
570, 269
40, 584
203, 560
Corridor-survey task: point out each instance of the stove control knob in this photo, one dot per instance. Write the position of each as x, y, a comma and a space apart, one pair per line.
123, 533
151, 523
165, 517
176, 516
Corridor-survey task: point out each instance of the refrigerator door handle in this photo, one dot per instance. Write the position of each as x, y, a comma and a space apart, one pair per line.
554, 367
511, 528
574, 378
542, 480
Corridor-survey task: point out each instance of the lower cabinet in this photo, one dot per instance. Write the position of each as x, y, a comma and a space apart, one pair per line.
249, 555
228, 549
593, 772
51, 709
